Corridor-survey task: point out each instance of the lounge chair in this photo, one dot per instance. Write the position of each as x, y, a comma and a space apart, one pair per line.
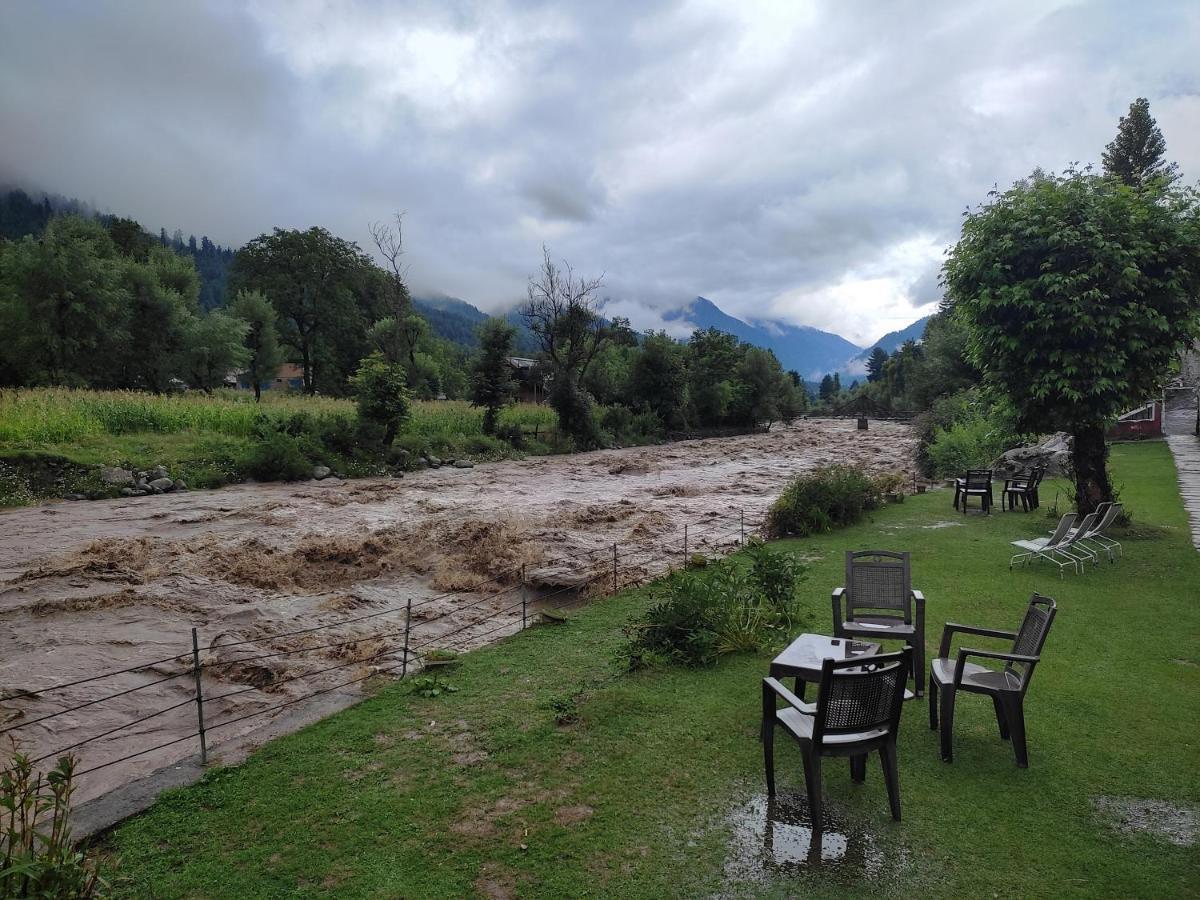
1097, 539
1055, 548
1006, 687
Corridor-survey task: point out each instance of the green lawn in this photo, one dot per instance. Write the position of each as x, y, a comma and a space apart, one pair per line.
482, 792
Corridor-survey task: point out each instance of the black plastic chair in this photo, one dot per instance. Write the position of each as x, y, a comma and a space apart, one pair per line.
1006, 686
976, 483
1023, 488
857, 711
879, 583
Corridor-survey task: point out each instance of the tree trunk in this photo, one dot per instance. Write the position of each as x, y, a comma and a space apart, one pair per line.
257, 390
1089, 457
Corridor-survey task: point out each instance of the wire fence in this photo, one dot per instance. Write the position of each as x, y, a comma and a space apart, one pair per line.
499, 605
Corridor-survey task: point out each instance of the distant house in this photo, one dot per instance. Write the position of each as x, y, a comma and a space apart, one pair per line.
530, 378
288, 377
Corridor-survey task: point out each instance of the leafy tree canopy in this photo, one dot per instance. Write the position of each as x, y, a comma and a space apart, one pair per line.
1077, 292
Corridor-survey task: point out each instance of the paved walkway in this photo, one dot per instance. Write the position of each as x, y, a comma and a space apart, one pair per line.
1179, 424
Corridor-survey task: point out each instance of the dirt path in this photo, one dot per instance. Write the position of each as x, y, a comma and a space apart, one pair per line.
87, 588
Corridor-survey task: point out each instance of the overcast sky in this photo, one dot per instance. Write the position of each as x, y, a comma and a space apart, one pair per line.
805, 162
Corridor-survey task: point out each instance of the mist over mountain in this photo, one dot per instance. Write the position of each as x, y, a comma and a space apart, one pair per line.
810, 351
894, 340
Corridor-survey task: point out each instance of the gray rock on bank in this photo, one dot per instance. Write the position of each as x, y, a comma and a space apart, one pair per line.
1054, 453
116, 476
321, 472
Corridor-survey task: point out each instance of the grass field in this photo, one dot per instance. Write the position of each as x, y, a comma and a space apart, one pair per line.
656, 790
206, 439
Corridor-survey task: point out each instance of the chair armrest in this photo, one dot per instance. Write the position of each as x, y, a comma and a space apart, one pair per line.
919, 602
838, 594
773, 685
953, 627
964, 652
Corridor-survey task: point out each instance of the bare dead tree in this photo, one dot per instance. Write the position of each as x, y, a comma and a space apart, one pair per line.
405, 327
390, 244
562, 311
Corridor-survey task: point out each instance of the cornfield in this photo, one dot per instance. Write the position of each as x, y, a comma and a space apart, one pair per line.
63, 415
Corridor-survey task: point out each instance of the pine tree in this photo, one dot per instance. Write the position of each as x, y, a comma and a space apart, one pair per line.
875, 364
491, 375
1136, 154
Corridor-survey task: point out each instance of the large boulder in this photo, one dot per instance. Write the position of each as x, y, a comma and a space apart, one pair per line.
1052, 453
320, 473
162, 485
116, 476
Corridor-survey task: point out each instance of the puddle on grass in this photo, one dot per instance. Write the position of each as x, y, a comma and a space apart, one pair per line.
774, 837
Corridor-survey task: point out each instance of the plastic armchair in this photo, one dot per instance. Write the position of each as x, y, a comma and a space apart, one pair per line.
1006, 686
878, 602
857, 711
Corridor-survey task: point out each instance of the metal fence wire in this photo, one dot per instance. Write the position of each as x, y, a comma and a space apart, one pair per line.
600, 572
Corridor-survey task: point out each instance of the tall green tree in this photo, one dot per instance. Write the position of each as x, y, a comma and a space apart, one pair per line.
1136, 154
163, 297
712, 359
65, 317
828, 390
875, 364
262, 337
1078, 292
492, 384
216, 349
321, 286
658, 379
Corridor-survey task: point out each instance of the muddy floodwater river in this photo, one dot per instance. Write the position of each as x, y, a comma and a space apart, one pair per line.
299, 587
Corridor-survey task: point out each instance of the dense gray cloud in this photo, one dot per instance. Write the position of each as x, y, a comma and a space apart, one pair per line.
806, 162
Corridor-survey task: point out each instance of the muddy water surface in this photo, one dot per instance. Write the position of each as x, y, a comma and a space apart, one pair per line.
88, 588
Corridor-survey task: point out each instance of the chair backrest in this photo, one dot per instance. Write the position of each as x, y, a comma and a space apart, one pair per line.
1060, 533
863, 694
1039, 472
1031, 637
1085, 527
878, 580
979, 479
1106, 521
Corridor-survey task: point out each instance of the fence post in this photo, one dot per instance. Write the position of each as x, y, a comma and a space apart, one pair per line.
524, 599
614, 568
742, 513
407, 632
685, 556
199, 698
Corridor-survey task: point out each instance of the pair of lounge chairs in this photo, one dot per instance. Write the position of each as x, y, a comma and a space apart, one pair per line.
1073, 545
860, 699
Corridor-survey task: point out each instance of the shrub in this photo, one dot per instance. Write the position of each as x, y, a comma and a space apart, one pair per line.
278, 457
382, 394
702, 614
37, 855
513, 434
972, 442
827, 498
